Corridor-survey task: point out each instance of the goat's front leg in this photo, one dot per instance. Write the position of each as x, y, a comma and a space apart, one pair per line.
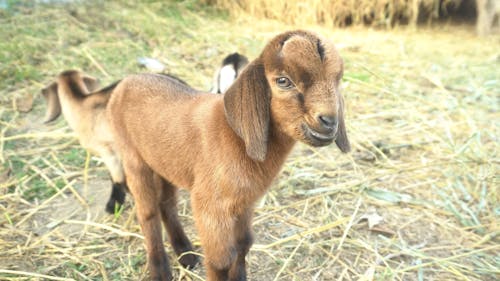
225, 238
142, 186
168, 208
244, 240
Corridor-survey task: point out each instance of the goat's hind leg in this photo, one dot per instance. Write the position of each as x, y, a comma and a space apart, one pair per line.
178, 239
144, 189
117, 198
119, 187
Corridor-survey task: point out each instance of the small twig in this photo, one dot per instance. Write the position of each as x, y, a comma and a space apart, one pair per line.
410, 268
301, 234
31, 274
106, 227
349, 225
47, 179
42, 205
38, 136
285, 264
94, 61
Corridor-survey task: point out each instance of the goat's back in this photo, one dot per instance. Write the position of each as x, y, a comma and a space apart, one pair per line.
163, 122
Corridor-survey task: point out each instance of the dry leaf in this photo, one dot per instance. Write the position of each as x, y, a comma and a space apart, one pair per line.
24, 104
372, 217
383, 230
5, 174
369, 274
374, 223
151, 64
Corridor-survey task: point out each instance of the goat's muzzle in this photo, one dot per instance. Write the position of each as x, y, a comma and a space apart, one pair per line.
320, 138
328, 123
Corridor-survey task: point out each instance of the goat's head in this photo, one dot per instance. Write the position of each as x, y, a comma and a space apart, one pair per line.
293, 87
75, 81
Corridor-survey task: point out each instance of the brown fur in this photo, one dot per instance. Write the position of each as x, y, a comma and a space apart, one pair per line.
225, 149
85, 114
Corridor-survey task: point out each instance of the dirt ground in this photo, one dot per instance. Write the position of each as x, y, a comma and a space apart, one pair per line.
416, 199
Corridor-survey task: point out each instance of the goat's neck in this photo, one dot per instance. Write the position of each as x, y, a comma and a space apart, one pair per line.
279, 146
257, 174
71, 106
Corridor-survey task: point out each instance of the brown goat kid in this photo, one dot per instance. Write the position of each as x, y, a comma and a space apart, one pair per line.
225, 149
85, 114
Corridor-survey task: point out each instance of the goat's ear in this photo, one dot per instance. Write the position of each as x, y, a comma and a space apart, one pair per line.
91, 83
53, 104
342, 141
246, 105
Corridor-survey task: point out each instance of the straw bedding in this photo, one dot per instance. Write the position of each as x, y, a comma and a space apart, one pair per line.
417, 199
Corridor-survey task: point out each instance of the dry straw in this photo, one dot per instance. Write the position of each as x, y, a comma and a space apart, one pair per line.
421, 113
340, 13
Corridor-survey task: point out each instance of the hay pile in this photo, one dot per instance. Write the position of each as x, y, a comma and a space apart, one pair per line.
340, 13
417, 199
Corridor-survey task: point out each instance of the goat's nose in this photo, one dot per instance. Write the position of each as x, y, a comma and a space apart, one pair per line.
328, 121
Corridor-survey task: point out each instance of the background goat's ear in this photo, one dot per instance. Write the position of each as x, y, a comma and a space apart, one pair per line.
342, 141
91, 83
246, 104
53, 105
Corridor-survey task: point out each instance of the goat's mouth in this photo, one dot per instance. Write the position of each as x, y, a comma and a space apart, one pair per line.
316, 138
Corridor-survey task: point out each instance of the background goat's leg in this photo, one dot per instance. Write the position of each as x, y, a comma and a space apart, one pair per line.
119, 187
142, 186
244, 240
177, 237
117, 197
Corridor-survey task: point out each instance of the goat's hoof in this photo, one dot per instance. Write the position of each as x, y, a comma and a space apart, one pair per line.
111, 206
161, 272
162, 278
189, 261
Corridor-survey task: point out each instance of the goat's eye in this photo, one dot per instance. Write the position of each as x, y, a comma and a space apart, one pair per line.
284, 83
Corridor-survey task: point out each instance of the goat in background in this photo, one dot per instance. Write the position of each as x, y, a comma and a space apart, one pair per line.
225, 149
232, 66
74, 94
85, 113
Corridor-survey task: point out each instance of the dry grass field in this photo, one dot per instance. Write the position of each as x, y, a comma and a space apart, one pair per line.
416, 199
